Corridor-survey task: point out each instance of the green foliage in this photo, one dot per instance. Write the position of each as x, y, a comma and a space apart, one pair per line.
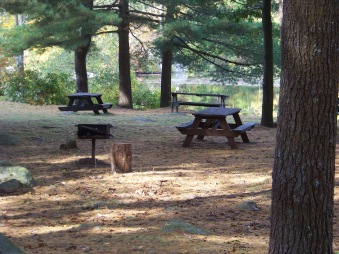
33, 88
107, 83
144, 98
222, 39
67, 24
53, 60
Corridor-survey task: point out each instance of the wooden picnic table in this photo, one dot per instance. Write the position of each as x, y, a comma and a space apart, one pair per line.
83, 101
212, 122
176, 103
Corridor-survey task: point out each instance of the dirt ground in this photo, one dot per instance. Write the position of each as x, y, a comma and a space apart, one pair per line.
177, 200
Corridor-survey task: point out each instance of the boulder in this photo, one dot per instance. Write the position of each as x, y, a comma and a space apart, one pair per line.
7, 246
14, 178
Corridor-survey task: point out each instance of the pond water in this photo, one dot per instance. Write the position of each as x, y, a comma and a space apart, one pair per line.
246, 97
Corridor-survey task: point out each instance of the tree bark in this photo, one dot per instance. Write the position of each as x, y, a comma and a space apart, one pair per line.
19, 20
166, 76
125, 90
167, 56
267, 102
304, 165
121, 158
80, 56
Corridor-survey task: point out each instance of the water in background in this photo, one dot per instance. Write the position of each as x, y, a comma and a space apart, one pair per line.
244, 96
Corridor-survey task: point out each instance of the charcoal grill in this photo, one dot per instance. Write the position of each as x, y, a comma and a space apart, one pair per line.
93, 132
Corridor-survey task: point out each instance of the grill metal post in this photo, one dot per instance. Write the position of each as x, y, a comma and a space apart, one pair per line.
93, 149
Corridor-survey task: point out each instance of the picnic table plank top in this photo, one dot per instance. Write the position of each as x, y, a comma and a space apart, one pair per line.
85, 95
201, 94
217, 112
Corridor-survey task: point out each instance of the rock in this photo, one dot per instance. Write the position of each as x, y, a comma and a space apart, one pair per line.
174, 225
7, 246
249, 206
8, 139
15, 178
11, 185
70, 144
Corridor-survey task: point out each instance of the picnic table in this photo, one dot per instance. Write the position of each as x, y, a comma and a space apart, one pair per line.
212, 122
83, 101
176, 103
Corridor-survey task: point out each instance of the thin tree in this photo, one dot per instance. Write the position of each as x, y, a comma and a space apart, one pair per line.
304, 165
19, 20
267, 87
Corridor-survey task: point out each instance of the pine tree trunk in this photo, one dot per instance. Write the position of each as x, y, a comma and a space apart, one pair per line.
166, 76
80, 56
304, 165
125, 90
267, 102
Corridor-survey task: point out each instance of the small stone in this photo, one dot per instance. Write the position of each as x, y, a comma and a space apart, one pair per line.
249, 205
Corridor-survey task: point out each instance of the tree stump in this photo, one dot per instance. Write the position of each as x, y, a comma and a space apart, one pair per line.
121, 158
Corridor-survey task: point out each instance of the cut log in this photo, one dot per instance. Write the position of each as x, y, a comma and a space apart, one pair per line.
121, 158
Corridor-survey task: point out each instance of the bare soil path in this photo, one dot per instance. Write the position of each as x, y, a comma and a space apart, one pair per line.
177, 200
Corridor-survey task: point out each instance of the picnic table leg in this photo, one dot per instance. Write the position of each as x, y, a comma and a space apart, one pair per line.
205, 125
175, 98
238, 122
71, 102
101, 102
230, 139
90, 102
189, 138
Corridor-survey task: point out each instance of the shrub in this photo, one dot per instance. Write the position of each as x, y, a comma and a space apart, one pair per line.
34, 88
145, 98
107, 83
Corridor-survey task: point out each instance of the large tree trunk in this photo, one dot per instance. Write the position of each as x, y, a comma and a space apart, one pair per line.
304, 165
167, 56
166, 76
267, 102
80, 55
125, 90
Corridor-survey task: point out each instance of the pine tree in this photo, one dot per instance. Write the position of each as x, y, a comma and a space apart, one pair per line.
69, 24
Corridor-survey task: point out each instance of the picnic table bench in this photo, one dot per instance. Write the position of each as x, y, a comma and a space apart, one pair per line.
83, 101
176, 103
212, 122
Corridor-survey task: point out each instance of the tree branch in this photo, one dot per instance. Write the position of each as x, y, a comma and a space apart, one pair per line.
199, 52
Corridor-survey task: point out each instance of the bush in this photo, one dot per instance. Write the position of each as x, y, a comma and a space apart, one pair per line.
144, 98
107, 83
34, 88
